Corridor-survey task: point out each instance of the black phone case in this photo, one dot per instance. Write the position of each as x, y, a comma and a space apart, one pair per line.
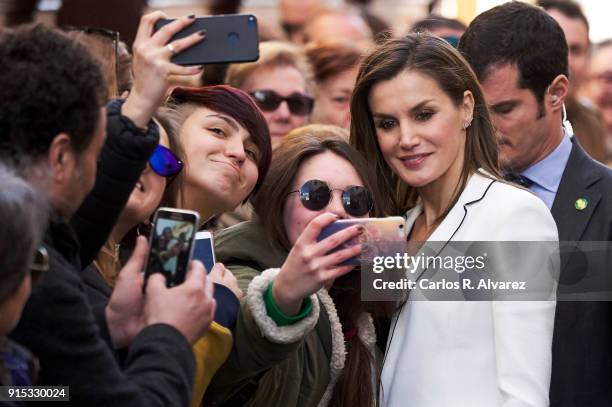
229, 38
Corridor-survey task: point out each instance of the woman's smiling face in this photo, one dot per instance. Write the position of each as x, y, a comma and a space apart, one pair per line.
420, 130
220, 158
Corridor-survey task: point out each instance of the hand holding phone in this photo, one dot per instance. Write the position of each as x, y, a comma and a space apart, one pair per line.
381, 237
309, 266
152, 67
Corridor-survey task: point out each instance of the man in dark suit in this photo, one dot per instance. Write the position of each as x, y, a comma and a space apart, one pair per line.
519, 53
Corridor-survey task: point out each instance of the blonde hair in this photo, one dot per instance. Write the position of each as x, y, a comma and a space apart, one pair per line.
272, 53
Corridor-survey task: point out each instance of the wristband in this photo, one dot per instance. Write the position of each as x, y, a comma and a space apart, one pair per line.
278, 316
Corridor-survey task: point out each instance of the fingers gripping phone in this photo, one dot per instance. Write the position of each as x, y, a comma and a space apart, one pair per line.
171, 244
229, 38
204, 249
381, 237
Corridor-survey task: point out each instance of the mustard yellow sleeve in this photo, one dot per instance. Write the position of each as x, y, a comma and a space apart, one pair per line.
210, 352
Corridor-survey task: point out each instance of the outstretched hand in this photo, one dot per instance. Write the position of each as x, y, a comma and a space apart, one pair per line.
152, 66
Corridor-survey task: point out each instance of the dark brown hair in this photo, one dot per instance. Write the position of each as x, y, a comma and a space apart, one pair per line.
50, 85
520, 34
355, 385
435, 58
330, 58
223, 99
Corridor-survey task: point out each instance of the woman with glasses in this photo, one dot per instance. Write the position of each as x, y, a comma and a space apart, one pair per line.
419, 115
303, 336
280, 82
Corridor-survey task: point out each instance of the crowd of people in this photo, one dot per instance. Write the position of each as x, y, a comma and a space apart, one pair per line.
496, 131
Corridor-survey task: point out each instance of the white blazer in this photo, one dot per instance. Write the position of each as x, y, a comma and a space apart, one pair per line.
475, 354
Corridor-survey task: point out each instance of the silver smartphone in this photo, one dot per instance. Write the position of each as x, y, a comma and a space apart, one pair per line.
171, 244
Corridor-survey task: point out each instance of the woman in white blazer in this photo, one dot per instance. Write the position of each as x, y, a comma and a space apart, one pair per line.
419, 115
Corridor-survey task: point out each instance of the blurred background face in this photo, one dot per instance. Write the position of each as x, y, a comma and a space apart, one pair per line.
295, 14
598, 87
577, 38
419, 128
330, 168
220, 162
348, 27
333, 99
148, 191
285, 81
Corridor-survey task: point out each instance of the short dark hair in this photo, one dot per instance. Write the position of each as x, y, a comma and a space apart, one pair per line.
521, 34
434, 22
23, 214
50, 84
236, 104
568, 8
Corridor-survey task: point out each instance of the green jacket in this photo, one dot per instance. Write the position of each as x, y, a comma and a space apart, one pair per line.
294, 365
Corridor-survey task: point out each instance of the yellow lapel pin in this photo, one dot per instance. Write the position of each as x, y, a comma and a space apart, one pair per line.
581, 204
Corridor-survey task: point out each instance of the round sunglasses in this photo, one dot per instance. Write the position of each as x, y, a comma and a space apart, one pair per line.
268, 101
164, 163
315, 195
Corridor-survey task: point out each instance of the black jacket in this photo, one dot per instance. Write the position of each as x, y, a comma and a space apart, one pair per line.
66, 333
582, 338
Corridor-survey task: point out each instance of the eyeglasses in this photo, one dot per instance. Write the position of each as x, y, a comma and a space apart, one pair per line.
40, 265
316, 195
268, 101
164, 163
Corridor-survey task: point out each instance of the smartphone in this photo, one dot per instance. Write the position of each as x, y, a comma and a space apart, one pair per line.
229, 38
204, 249
171, 244
382, 237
